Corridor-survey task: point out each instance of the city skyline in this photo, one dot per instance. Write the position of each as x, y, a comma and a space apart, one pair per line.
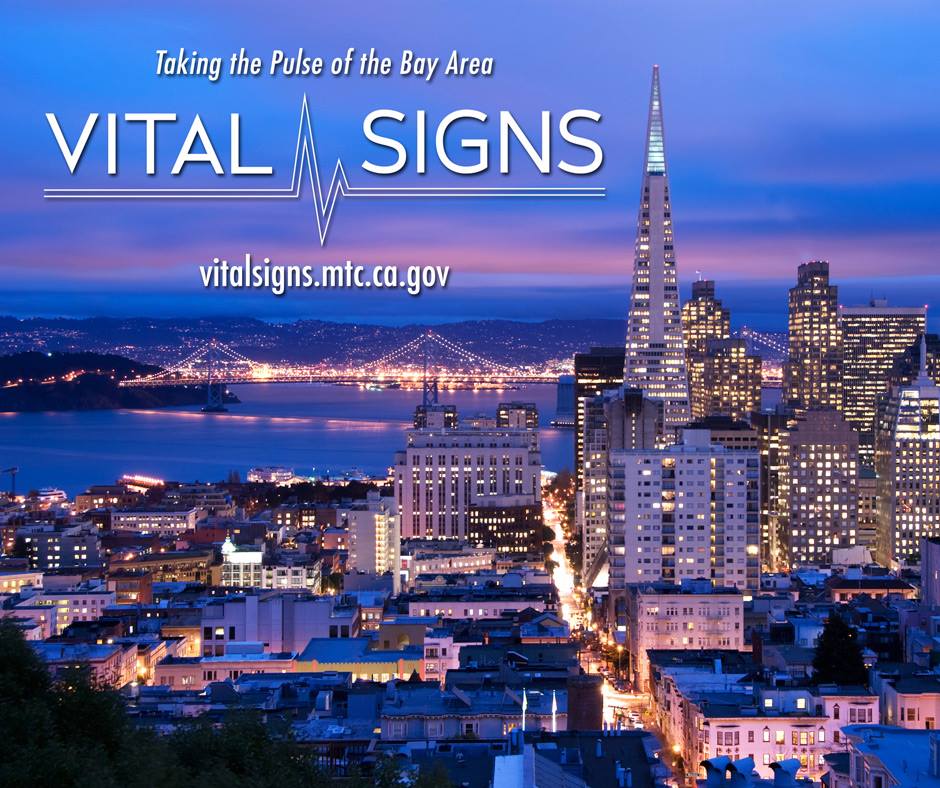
768, 169
635, 490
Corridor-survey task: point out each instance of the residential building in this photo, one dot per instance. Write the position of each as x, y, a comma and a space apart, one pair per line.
433, 416
111, 665
620, 419
161, 522
772, 725
281, 620
695, 615
100, 496
207, 499
930, 571
12, 581
818, 487
728, 432
59, 608
867, 531
882, 756
425, 711
246, 567
374, 536
685, 512
238, 659
53, 547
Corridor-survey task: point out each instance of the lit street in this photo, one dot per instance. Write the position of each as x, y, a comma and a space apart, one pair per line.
571, 601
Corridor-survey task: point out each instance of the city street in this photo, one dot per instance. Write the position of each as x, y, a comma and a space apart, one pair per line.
571, 600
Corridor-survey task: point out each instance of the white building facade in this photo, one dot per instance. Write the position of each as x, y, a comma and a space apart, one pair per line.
442, 472
690, 511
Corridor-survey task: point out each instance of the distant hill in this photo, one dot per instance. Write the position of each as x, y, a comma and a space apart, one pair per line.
162, 341
34, 381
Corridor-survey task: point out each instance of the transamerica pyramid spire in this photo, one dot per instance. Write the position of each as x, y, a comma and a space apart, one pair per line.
655, 355
655, 151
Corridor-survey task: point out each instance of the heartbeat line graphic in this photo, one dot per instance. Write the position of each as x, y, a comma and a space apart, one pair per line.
324, 202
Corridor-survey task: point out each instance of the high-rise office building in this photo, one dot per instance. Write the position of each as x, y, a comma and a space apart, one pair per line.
908, 366
687, 511
703, 318
621, 420
813, 374
818, 488
655, 354
771, 430
725, 380
874, 339
907, 461
443, 472
867, 534
595, 372
506, 526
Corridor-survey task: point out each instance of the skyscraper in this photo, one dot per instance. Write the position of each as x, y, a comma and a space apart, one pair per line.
813, 374
725, 380
772, 429
594, 373
655, 354
874, 339
907, 461
703, 318
621, 420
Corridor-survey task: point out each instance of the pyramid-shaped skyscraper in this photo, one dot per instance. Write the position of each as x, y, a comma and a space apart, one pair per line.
655, 355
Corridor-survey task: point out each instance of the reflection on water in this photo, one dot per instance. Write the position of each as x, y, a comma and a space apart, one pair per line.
306, 427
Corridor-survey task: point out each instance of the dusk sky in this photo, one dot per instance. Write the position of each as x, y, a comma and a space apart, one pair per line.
794, 131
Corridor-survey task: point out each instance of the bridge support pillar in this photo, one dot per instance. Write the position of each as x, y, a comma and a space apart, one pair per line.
215, 392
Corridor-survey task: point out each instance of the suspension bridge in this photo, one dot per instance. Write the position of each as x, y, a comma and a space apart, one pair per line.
427, 357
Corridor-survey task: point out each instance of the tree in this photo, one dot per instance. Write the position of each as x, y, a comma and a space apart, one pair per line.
67, 731
838, 658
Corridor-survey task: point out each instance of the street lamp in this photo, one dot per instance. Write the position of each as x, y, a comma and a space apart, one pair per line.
619, 660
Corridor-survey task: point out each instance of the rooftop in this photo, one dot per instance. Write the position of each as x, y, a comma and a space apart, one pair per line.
904, 753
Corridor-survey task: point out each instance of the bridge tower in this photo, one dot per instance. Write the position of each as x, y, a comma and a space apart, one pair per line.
429, 394
215, 391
